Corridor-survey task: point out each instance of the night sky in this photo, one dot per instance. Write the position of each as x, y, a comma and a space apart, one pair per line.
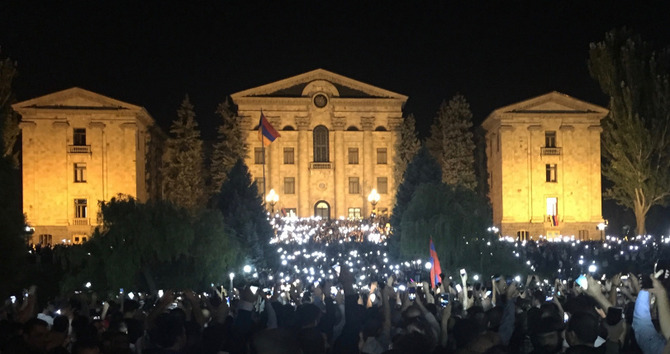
151, 53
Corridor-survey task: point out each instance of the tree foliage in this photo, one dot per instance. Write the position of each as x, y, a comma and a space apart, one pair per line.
9, 120
230, 145
422, 169
183, 161
636, 133
456, 219
451, 143
406, 147
243, 212
12, 232
151, 246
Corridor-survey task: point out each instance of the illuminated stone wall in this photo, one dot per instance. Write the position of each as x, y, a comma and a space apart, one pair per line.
357, 116
520, 161
113, 155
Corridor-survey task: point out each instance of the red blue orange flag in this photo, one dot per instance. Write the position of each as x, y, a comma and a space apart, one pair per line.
435, 269
266, 132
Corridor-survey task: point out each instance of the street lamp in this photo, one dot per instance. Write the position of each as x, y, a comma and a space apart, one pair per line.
373, 198
272, 198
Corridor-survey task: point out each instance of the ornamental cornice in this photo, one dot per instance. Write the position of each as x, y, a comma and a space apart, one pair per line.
129, 126
60, 124
534, 127
96, 125
23, 125
367, 123
596, 128
506, 128
302, 122
338, 123
566, 128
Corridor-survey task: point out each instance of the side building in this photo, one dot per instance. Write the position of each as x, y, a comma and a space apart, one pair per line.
543, 161
336, 145
80, 148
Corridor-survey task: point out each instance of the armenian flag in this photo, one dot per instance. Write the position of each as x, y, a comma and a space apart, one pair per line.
435, 269
266, 132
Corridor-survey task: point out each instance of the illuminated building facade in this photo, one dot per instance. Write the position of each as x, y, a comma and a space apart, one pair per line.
336, 145
543, 161
79, 148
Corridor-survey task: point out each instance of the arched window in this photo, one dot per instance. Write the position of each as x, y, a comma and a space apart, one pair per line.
321, 144
352, 128
380, 129
288, 127
322, 209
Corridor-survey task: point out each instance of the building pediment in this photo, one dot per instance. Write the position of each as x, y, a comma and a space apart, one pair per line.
75, 99
552, 103
319, 80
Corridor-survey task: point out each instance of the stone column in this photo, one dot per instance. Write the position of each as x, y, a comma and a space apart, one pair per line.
595, 170
566, 178
339, 162
535, 212
29, 160
98, 163
303, 182
369, 162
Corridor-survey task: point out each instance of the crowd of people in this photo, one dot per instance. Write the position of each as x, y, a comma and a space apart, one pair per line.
337, 290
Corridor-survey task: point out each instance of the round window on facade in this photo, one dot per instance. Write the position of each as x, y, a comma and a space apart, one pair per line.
320, 100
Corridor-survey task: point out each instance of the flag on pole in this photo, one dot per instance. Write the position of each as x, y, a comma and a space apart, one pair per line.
266, 132
435, 269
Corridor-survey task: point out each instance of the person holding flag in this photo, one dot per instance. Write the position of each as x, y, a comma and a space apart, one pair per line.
435, 269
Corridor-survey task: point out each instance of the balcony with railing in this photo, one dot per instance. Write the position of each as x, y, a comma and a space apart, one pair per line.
321, 165
550, 151
79, 149
80, 222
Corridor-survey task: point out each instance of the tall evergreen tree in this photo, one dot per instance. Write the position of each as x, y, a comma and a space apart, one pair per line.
406, 147
636, 133
451, 143
230, 145
243, 212
12, 222
183, 161
9, 120
422, 169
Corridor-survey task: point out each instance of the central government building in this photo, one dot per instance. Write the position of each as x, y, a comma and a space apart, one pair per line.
336, 145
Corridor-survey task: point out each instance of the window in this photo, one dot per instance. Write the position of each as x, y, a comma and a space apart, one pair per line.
382, 185
583, 235
292, 212
522, 235
354, 187
80, 208
46, 239
381, 156
353, 156
550, 139
321, 144
259, 156
288, 156
79, 172
551, 172
289, 185
552, 206
79, 137
354, 213
260, 184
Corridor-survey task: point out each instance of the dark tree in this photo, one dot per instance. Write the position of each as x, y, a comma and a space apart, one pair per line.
406, 147
243, 212
183, 161
451, 143
636, 133
457, 220
151, 246
422, 169
230, 145
12, 228
9, 120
